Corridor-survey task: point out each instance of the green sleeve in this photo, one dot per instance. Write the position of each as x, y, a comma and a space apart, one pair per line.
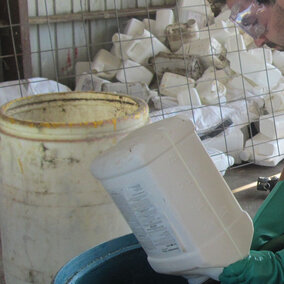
260, 267
269, 219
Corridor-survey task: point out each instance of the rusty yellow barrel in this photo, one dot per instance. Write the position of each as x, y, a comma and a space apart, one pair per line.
52, 208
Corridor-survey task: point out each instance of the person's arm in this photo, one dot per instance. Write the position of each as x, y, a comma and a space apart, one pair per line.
259, 267
265, 263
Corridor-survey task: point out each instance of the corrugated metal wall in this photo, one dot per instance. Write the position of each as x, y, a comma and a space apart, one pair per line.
56, 47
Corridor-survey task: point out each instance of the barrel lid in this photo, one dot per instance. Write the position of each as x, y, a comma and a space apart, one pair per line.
141, 147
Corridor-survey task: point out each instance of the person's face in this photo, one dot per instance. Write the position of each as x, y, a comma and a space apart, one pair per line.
271, 19
275, 29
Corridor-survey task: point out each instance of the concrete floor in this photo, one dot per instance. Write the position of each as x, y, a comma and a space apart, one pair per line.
242, 181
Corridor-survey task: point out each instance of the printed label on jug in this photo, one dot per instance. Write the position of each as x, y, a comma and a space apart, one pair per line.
148, 224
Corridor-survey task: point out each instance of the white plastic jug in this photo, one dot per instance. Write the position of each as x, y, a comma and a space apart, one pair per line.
188, 96
234, 43
272, 125
262, 145
145, 46
105, 64
131, 71
172, 84
212, 92
134, 27
175, 200
255, 68
179, 34
195, 9
210, 51
164, 17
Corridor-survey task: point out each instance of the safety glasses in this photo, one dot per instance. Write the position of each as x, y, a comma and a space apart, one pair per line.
251, 17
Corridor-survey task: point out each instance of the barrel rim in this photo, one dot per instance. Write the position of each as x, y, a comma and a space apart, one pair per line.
74, 132
142, 108
94, 257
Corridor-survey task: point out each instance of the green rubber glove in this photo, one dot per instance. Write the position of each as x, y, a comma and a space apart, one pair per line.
263, 266
269, 219
260, 267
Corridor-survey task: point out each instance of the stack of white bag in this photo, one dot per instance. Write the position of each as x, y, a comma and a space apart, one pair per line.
262, 81
267, 147
22, 88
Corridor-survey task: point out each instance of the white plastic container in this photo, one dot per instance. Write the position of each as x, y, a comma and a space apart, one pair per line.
260, 52
280, 86
263, 151
188, 96
134, 27
278, 60
90, 82
164, 17
235, 42
163, 102
199, 6
172, 84
210, 51
254, 68
195, 9
178, 34
274, 102
230, 142
174, 198
261, 160
52, 208
137, 89
266, 146
267, 161
121, 42
150, 25
220, 160
272, 126
257, 144
211, 73
200, 19
220, 31
211, 92
105, 64
224, 16
238, 88
131, 71
145, 46
249, 41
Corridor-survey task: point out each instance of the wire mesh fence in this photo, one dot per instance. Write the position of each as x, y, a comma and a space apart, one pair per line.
181, 56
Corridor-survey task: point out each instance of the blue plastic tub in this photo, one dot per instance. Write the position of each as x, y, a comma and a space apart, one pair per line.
119, 261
